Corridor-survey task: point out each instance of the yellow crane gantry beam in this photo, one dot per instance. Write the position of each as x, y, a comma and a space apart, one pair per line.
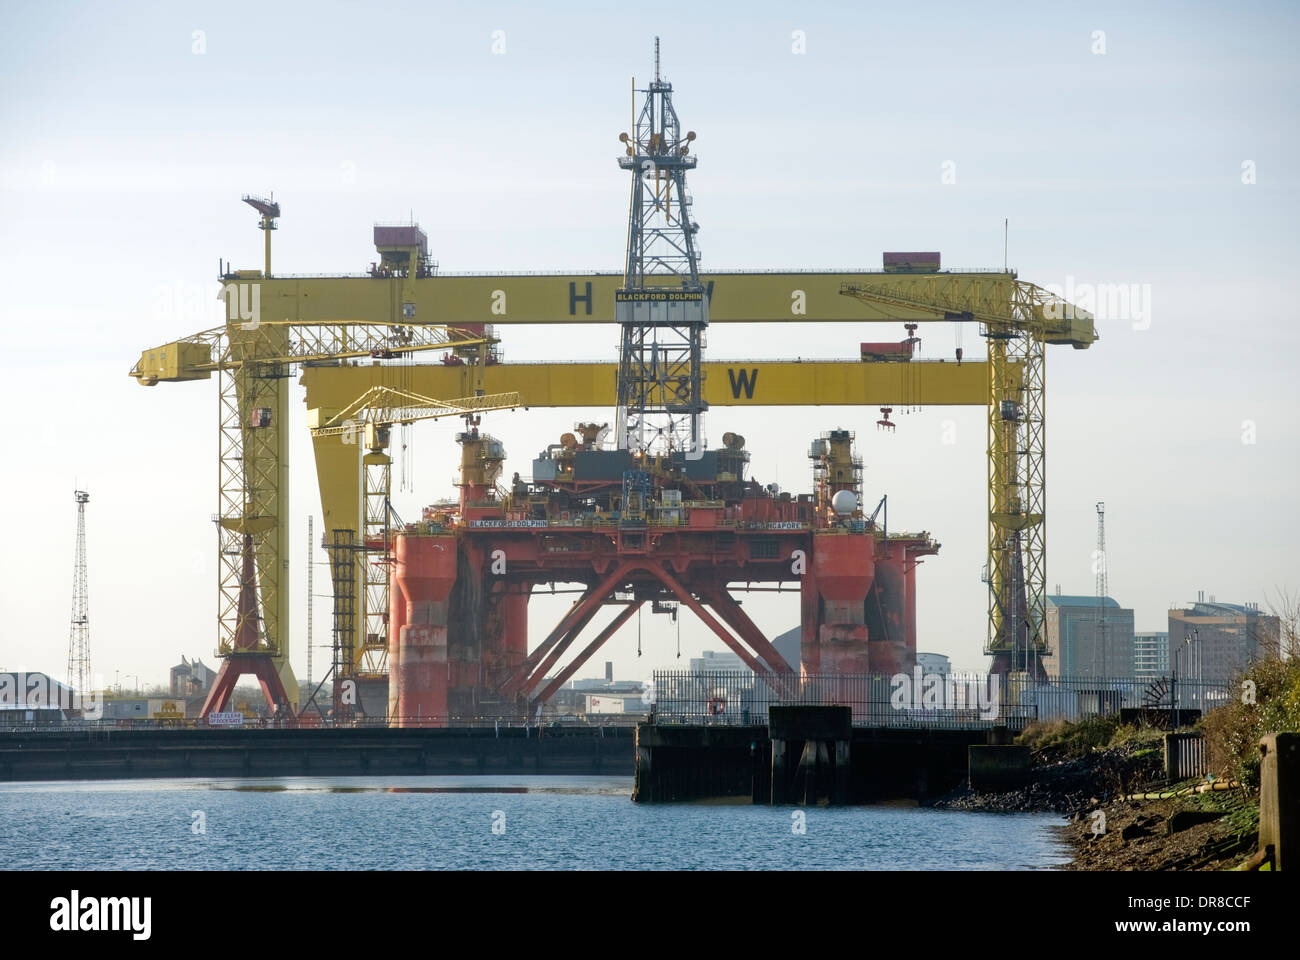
812, 296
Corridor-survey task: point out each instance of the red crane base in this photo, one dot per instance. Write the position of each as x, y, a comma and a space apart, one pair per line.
237, 665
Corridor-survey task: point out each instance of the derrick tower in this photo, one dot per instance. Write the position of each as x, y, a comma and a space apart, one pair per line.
79, 633
662, 307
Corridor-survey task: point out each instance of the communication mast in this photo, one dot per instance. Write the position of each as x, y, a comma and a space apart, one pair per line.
311, 596
662, 308
79, 634
1099, 644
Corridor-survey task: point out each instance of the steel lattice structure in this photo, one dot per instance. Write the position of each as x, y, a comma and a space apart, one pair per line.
1100, 666
254, 359
662, 307
1017, 319
79, 633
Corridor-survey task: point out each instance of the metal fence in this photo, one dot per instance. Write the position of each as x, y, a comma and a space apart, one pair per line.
1075, 698
1184, 756
919, 700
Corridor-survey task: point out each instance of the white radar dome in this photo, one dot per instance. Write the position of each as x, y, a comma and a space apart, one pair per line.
844, 502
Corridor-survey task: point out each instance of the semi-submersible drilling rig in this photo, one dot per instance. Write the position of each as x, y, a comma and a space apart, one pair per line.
652, 516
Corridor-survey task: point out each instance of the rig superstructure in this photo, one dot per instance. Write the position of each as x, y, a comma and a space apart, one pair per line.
637, 528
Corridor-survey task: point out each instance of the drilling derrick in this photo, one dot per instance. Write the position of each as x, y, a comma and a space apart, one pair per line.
79, 634
662, 307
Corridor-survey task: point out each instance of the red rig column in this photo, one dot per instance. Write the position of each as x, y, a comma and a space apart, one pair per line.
425, 574
909, 580
887, 612
842, 572
396, 620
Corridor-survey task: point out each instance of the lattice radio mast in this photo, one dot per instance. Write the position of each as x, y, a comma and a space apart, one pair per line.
79, 633
1099, 645
311, 596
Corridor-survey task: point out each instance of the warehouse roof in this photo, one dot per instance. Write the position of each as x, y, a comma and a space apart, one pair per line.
1075, 600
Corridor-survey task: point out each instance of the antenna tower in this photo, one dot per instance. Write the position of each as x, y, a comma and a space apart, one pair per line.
1099, 645
79, 634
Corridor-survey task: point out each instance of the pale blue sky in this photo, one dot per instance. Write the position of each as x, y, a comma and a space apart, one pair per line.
123, 155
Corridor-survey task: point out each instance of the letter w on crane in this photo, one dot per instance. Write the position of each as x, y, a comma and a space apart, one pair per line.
744, 380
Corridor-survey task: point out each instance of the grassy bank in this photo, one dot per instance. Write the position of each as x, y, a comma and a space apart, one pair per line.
1211, 830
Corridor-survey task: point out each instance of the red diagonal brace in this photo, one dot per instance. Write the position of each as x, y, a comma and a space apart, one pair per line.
734, 615
594, 596
549, 690
710, 621
538, 675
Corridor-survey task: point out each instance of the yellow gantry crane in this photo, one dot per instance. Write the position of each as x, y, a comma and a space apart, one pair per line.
253, 356
327, 325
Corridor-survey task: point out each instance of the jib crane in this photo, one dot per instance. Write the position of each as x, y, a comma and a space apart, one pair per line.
1016, 319
367, 422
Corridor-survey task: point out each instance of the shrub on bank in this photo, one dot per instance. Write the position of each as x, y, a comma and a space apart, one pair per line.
1269, 703
1080, 737
1073, 738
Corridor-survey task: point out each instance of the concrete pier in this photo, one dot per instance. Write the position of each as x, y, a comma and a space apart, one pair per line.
113, 754
810, 754
820, 763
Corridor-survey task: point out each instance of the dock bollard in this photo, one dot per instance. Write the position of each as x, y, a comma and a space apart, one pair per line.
1279, 797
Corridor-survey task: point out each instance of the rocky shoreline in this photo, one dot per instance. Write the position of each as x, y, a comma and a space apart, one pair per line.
1106, 831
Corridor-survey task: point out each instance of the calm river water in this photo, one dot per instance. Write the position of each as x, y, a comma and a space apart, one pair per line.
478, 822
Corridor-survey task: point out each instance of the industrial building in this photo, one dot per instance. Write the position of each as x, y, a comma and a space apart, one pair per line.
1214, 642
191, 677
32, 697
711, 661
1151, 655
934, 663
118, 708
1088, 637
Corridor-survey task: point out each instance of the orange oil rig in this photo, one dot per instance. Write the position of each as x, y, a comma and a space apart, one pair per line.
637, 528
